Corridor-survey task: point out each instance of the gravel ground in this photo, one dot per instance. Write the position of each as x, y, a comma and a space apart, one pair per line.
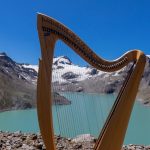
26, 141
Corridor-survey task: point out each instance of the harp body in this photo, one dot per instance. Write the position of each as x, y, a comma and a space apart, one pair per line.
114, 129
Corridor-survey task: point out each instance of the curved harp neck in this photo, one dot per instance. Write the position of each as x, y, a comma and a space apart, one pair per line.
47, 26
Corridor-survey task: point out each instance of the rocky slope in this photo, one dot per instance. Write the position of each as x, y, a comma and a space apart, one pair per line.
18, 85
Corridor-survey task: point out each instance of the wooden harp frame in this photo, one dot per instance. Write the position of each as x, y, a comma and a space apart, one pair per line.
114, 129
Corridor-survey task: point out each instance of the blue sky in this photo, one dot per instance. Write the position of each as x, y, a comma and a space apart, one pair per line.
109, 27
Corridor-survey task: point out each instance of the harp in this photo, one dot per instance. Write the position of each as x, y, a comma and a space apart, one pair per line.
50, 31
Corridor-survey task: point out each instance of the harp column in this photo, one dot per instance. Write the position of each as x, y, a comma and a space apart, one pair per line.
44, 97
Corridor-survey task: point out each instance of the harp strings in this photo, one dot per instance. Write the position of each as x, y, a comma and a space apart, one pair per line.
65, 113
68, 110
56, 115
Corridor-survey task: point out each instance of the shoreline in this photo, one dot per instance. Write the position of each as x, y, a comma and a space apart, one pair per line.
22, 141
4, 110
143, 102
11, 109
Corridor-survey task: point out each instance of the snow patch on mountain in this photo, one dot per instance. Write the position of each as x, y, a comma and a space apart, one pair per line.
35, 67
1, 55
64, 71
148, 56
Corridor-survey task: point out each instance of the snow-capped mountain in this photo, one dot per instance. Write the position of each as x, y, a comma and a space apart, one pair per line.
17, 84
18, 81
34, 67
68, 76
65, 71
15, 70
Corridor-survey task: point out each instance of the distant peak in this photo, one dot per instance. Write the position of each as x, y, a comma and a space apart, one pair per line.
26, 64
3, 54
62, 60
65, 57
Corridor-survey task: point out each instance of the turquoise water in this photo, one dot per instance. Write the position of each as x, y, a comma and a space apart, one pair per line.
86, 114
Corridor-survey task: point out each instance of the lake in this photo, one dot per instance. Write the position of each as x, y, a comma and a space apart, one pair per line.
86, 114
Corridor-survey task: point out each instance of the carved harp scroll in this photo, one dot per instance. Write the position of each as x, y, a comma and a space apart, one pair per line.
50, 31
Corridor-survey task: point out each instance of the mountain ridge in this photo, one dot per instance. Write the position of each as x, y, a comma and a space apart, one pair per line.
18, 81
67, 76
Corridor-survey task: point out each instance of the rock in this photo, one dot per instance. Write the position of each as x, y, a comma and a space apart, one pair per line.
93, 71
79, 89
77, 146
83, 138
109, 89
60, 100
62, 60
69, 75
